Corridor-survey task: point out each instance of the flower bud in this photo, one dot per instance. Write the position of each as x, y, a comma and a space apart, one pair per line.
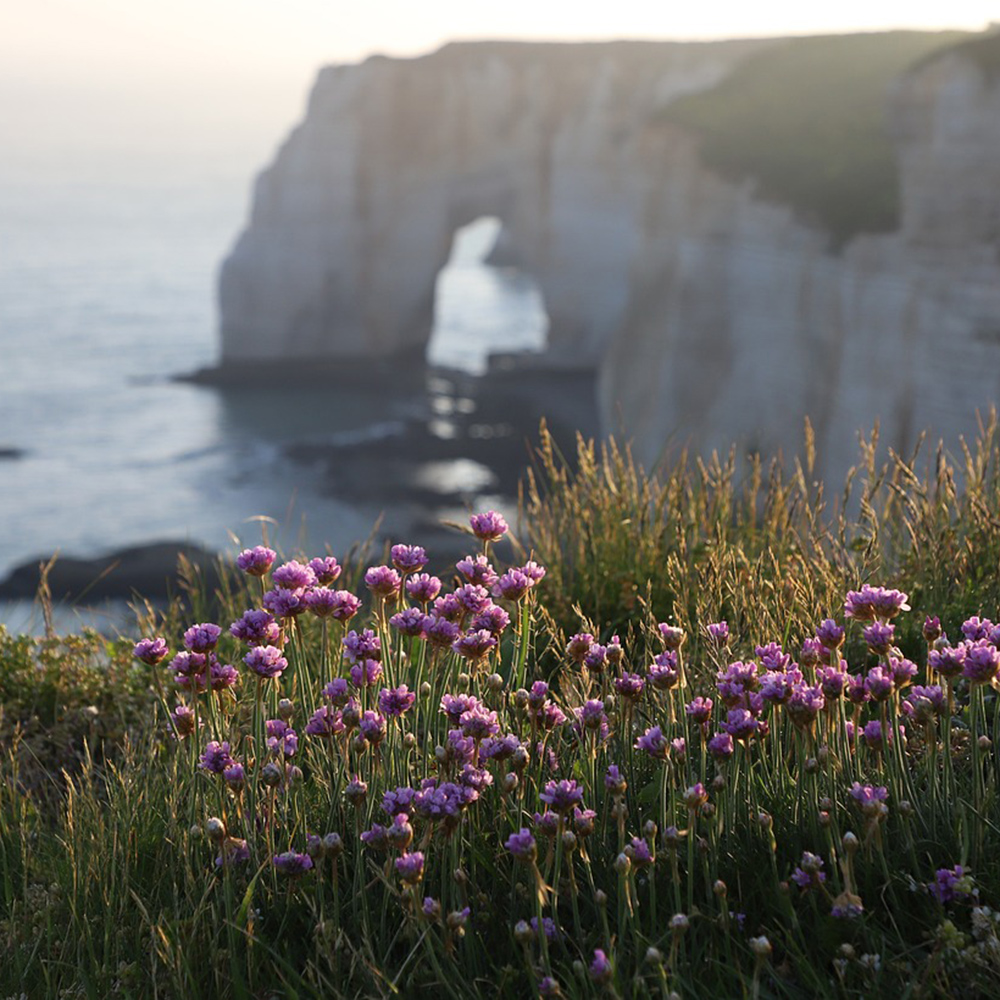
195, 832
601, 898
679, 923
985, 742
460, 877
521, 698
649, 829
271, 775
569, 841
286, 709
410, 741
850, 842
718, 783
494, 682
623, 864
905, 808
522, 932
425, 690
510, 782
719, 888
824, 818
464, 680
811, 765
333, 845
760, 946
823, 755
215, 829
654, 956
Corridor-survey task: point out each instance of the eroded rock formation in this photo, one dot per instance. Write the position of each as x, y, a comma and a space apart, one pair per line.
711, 314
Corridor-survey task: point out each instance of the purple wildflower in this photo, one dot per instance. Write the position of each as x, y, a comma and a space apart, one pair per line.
234, 852
720, 746
719, 631
478, 570
654, 743
927, 702
857, 690
283, 603
596, 658
951, 885
773, 658
663, 672
673, 637
472, 598
257, 627
879, 683
266, 661
394, 702
281, 738
879, 636
948, 662
216, 757
870, 798
533, 571
408, 558
150, 651
423, 588
345, 605
578, 646
478, 723
976, 628
830, 634
489, 526
805, 704
410, 867
562, 796
831, 681
522, 845
398, 801
809, 655
475, 645
409, 621
373, 727
870, 603
614, 781
740, 724
383, 581
441, 632
365, 645
376, 838
256, 561
492, 618
294, 575
903, 671
931, 629
235, 776
630, 686
325, 721
292, 864
699, 710
183, 720
202, 638
326, 569
600, 968
982, 661
513, 585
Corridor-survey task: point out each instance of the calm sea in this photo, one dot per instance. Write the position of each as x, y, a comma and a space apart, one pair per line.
106, 293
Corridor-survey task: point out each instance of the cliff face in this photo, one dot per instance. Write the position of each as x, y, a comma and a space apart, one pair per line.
711, 314
743, 321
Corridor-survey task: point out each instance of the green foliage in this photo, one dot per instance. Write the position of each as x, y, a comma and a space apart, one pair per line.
806, 119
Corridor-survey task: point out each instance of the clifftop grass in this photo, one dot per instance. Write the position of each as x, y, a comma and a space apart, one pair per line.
806, 120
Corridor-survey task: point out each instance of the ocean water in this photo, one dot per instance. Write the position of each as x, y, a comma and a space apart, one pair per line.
106, 293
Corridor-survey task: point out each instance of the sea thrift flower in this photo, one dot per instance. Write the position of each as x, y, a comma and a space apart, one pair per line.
183, 720
740, 724
857, 690
292, 864
879, 683
948, 662
410, 867
721, 746
830, 634
562, 796
284, 603
663, 673
638, 853
489, 526
630, 686
773, 658
408, 558
533, 571
976, 628
337, 691
591, 714
932, 629
234, 852
614, 782
776, 688
928, 702
522, 845
903, 671
281, 738
475, 645
809, 655
150, 651
874, 736
234, 775
294, 575
695, 797
809, 874
654, 743
216, 757
477, 570
257, 627
804, 705
394, 702
383, 581
879, 637
699, 710
472, 598
512, 586
423, 588
373, 727
326, 568
266, 661
870, 603
600, 968
366, 673
440, 632
832, 681
398, 801
448, 606
869, 798
596, 658
578, 646
365, 645
477, 723
492, 618
321, 601
325, 722
202, 638
376, 838
982, 661
952, 884
409, 622
719, 631
256, 561
345, 605
673, 637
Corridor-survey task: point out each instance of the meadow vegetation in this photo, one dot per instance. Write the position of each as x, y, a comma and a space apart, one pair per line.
704, 732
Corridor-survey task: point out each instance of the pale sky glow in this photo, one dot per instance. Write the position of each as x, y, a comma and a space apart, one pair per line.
85, 78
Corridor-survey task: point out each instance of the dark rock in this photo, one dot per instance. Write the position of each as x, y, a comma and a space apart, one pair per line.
145, 570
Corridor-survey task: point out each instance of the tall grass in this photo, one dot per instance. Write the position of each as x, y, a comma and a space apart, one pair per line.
771, 865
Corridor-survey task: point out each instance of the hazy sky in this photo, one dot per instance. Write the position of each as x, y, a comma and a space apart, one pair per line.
89, 86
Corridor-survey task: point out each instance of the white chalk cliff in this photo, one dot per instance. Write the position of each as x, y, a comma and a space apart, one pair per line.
710, 314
